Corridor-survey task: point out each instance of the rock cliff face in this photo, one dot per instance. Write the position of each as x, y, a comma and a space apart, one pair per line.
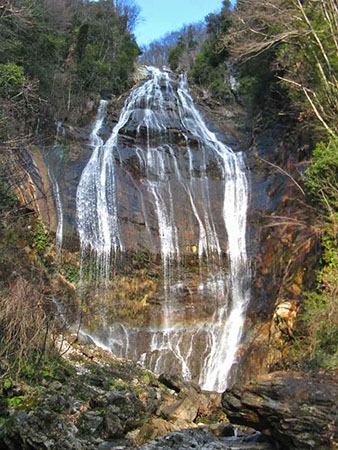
192, 265
283, 246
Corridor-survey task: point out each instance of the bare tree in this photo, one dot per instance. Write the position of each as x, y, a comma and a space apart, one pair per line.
130, 10
305, 34
259, 25
157, 52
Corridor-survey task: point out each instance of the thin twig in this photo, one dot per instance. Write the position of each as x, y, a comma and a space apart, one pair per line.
284, 172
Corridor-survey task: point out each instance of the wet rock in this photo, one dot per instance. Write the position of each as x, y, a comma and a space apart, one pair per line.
186, 440
296, 411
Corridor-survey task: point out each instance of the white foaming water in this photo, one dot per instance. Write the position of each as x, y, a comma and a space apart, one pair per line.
157, 107
225, 338
59, 213
57, 196
96, 203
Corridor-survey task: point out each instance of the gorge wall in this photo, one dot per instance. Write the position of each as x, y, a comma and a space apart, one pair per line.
168, 235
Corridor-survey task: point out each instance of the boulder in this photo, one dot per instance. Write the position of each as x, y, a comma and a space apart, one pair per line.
296, 411
185, 409
155, 427
177, 383
38, 430
185, 402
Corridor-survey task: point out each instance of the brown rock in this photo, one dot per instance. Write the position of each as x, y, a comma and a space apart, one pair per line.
184, 409
154, 428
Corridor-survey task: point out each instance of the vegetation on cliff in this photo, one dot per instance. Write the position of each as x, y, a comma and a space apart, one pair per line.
55, 56
287, 58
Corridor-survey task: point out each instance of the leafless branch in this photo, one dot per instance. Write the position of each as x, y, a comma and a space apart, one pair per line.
284, 172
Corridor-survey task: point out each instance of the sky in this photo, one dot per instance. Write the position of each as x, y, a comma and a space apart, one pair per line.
159, 17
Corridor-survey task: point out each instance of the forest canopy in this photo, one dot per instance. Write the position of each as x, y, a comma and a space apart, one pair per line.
56, 53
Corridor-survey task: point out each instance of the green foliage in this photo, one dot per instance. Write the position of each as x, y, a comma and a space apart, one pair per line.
7, 196
309, 62
40, 237
220, 90
105, 65
82, 41
7, 384
259, 86
70, 272
209, 68
318, 325
319, 320
175, 54
15, 401
321, 177
206, 62
11, 79
71, 50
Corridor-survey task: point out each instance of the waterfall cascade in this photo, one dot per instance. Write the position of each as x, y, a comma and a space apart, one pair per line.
165, 171
53, 158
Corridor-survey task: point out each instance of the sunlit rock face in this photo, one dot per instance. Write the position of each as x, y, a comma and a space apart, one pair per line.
161, 216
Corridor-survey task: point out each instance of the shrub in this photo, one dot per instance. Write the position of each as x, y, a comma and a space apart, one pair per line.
11, 79
319, 319
321, 178
24, 324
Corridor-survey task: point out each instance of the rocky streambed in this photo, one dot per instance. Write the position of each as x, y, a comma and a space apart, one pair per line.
99, 402
96, 401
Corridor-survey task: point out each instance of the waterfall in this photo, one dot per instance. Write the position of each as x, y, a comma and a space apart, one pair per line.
56, 191
193, 194
96, 201
59, 212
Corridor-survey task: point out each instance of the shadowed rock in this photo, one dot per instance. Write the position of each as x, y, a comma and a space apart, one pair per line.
295, 410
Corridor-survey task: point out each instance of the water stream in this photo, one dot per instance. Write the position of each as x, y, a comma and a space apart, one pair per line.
52, 171
191, 193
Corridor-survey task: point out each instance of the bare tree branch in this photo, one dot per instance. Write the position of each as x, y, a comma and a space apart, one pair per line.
284, 172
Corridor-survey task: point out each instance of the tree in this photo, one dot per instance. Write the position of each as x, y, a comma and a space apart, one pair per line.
70, 49
317, 75
177, 49
11, 79
209, 68
130, 10
176, 53
302, 38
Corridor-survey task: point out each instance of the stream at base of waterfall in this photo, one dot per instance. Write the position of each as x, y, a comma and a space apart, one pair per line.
161, 217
